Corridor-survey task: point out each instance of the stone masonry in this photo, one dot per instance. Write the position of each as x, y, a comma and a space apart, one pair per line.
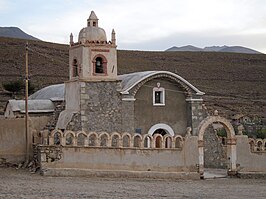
214, 150
101, 106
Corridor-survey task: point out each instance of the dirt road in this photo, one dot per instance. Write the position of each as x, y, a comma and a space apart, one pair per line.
22, 184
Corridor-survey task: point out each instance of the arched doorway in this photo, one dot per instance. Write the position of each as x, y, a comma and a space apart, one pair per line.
161, 129
230, 141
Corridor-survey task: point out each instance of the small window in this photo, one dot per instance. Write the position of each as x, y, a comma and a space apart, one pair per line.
99, 65
94, 23
75, 68
158, 96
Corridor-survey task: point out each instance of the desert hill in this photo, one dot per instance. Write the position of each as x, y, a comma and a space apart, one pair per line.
15, 32
233, 82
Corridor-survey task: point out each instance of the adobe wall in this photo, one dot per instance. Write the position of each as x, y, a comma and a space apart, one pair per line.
173, 113
12, 137
249, 161
72, 160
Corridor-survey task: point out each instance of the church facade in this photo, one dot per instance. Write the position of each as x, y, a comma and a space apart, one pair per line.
97, 99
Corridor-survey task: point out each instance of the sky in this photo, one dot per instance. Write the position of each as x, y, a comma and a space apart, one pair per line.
152, 25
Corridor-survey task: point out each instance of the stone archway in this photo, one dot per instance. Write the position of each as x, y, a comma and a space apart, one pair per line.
231, 142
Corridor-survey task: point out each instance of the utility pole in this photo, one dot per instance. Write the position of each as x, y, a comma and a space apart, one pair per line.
26, 108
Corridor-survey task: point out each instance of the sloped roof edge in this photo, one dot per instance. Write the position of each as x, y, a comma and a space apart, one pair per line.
132, 79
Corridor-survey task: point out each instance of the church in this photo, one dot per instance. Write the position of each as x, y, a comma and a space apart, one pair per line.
97, 99
138, 124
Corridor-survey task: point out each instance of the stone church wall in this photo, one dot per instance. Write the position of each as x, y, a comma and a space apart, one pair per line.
101, 107
128, 116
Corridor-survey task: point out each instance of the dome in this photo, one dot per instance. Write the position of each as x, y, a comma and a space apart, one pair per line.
92, 33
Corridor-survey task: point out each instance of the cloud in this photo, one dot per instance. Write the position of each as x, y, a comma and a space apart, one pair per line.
146, 23
4, 5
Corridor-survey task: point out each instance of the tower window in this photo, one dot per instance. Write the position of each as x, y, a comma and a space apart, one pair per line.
94, 23
75, 68
99, 65
158, 96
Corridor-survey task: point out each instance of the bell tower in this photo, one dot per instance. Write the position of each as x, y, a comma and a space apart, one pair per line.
93, 58
91, 93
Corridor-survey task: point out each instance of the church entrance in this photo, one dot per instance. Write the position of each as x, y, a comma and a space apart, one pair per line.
161, 129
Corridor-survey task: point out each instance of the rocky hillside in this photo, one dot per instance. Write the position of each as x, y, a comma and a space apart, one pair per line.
233, 82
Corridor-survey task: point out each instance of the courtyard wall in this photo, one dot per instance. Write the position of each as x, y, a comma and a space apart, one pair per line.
249, 158
12, 137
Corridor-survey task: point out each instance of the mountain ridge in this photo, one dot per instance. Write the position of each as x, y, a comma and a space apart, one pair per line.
15, 32
231, 49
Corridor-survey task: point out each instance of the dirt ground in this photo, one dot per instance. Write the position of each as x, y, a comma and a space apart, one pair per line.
22, 184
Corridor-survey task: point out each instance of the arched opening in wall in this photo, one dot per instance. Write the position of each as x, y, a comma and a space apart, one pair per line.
158, 140
75, 72
147, 142
259, 146
160, 129
126, 141
115, 141
81, 139
168, 142
217, 147
100, 65
162, 132
92, 140
103, 140
178, 142
69, 139
137, 141
57, 138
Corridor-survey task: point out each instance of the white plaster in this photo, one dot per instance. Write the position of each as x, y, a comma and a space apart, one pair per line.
165, 127
154, 73
194, 100
128, 99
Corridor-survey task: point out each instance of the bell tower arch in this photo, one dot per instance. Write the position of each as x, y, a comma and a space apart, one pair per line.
96, 57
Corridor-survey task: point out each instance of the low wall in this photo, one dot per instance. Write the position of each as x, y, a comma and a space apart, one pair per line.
66, 160
248, 160
12, 137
